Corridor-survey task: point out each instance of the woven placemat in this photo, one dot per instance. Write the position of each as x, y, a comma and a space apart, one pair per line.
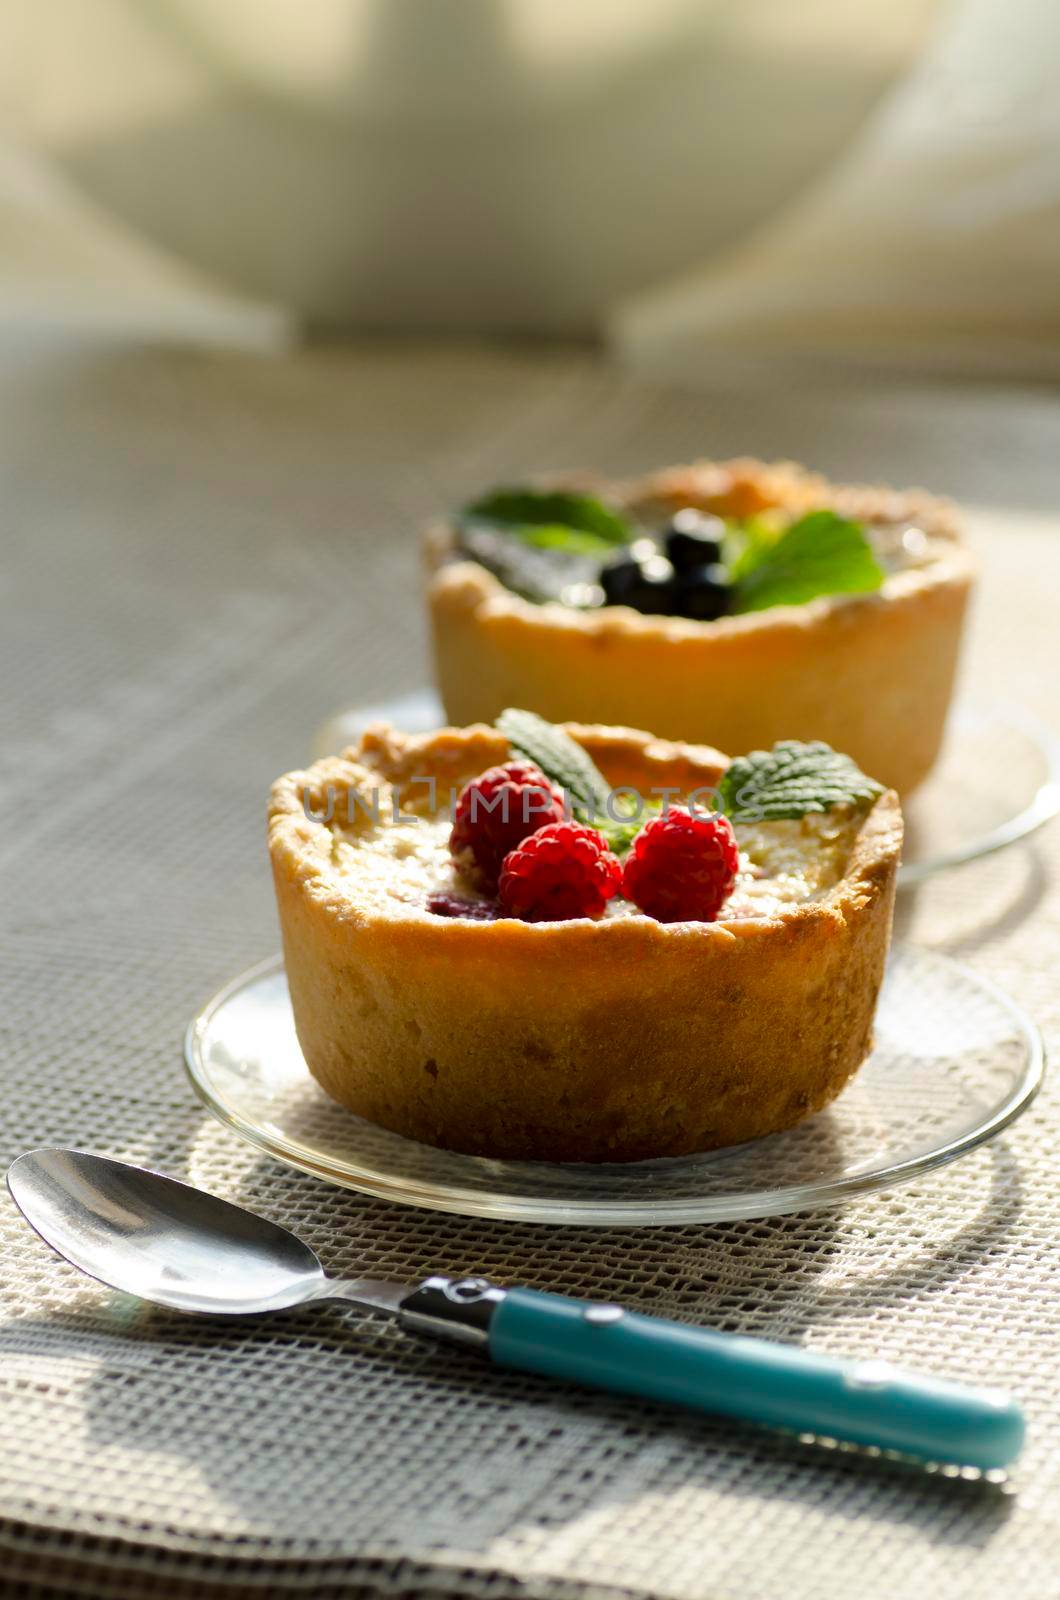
203, 556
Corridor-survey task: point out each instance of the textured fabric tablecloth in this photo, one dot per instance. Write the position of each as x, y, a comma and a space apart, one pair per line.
202, 556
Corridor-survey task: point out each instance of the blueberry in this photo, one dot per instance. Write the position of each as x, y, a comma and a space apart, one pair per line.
693, 540
646, 586
703, 594
619, 578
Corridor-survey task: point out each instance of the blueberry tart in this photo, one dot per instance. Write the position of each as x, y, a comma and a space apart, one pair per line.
733, 603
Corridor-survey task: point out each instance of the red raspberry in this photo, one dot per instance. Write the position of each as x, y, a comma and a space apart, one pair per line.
562, 871
682, 867
497, 811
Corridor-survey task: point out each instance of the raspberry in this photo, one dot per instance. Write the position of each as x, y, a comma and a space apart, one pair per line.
497, 811
682, 867
564, 870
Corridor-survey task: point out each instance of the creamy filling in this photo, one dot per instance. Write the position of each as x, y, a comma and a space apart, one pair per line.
782, 864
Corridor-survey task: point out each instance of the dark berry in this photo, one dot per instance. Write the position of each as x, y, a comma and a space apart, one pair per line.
619, 579
646, 585
693, 540
444, 904
704, 593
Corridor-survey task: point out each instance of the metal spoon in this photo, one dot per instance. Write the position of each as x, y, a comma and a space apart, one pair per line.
166, 1242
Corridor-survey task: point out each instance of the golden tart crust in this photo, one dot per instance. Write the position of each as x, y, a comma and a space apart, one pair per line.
872, 675
616, 1040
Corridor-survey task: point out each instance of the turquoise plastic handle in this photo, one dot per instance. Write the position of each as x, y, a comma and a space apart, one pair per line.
783, 1386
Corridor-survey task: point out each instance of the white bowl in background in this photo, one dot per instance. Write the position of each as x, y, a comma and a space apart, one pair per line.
453, 165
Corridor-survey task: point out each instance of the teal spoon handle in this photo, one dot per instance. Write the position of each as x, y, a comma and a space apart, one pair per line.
783, 1386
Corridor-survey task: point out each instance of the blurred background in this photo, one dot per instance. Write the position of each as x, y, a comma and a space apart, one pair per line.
877, 184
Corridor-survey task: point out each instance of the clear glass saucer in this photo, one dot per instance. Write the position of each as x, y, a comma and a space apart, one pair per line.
997, 780
955, 1061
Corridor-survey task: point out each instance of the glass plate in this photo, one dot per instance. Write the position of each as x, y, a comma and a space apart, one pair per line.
997, 780
955, 1061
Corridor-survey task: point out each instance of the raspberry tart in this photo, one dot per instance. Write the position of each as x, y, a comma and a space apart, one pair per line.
734, 603
688, 957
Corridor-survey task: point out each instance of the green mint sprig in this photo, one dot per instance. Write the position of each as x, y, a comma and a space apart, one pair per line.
820, 554
563, 760
552, 519
792, 780
789, 781
560, 758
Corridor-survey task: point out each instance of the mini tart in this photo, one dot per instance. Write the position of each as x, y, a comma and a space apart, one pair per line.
872, 675
615, 1040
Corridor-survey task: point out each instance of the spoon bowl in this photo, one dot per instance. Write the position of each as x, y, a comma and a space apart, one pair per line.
162, 1240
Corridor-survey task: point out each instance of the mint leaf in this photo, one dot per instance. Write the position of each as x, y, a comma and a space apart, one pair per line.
537, 572
822, 553
563, 760
553, 536
791, 780
542, 545
747, 543
523, 510
560, 758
